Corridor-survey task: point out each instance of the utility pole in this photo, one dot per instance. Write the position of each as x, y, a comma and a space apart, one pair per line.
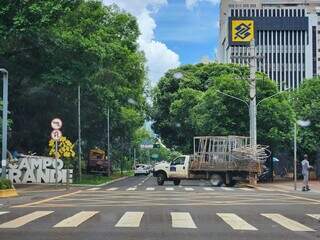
108, 140
252, 58
4, 122
79, 133
253, 99
295, 156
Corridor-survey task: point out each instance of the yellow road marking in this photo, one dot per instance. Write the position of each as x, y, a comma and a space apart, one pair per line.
287, 223
182, 220
236, 222
20, 221
76, 220
46, 200
130, 219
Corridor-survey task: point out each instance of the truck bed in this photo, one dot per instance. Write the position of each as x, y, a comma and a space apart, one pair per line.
253, 167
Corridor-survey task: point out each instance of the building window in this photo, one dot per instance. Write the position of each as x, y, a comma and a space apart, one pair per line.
314, 51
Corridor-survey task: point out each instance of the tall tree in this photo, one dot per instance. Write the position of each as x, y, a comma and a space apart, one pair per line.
52, 46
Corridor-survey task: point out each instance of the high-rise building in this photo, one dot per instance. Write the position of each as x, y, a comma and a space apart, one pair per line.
287, 37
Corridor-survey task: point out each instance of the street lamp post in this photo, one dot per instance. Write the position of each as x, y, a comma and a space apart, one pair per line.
4, 121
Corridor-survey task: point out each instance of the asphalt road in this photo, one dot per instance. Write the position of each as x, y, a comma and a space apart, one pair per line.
136, 208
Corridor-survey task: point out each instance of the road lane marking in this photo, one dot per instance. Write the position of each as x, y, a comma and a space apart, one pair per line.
246, 189
169, 188
208, 189
287, 223
130, 219
112, 189
2, 213
75, 220
132, 189
150, 188
94, 189
46, 200
20, 221
236, 222
182, 220
188, 189
266, 189
227, 188
315, 216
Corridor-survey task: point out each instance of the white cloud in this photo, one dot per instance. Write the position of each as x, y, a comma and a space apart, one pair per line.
159, 57
192, 3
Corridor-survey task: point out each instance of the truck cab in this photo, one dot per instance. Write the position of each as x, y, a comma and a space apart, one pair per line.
172, 171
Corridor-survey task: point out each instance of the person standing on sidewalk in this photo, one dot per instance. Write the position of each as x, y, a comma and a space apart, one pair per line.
305, 172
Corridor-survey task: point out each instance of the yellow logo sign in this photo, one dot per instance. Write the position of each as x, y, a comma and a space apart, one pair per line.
242, 30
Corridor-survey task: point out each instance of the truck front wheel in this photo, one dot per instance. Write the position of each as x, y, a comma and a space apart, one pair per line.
216, 180
176, 182
160, 179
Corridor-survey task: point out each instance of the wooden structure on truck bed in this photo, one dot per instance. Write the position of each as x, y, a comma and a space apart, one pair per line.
230, 153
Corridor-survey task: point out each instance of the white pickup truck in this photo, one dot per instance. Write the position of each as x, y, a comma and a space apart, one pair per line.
222, 160
180, 169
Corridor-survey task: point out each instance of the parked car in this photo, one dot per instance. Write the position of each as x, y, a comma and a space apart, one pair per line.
142, 169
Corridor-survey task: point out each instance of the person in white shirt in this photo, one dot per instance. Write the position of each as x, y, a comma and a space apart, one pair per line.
305, 172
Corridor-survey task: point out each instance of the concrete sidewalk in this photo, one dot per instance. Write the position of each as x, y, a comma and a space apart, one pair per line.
289, 185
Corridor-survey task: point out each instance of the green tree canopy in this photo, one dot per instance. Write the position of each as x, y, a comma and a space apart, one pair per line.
192, 105
49, 48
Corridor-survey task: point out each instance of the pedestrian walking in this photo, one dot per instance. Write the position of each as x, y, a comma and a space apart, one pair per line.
305, 172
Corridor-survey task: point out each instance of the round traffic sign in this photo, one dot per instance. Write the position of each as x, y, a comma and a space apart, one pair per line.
56, 123
56, 135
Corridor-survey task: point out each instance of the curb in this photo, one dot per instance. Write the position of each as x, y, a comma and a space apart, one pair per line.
99, 185
8, 193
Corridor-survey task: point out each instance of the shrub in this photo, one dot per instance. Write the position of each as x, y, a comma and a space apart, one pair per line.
5, 184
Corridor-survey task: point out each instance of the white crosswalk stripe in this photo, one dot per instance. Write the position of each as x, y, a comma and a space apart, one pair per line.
182, 220
94, 189
287, 223
132, 189
227, 188
20, 221
236, 222
208, 189
76, 220
112, 189
169, 188
315, 216
2, 213
246, 189
265, 189
188, 189
130, 219
150, 188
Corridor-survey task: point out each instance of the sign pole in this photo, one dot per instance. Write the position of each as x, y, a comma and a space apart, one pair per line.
56, 160
4, 122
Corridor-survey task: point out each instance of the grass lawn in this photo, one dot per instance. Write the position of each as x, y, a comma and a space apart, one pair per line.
96, 179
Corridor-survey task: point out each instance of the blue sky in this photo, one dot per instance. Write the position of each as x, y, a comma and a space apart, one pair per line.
173, 32
191, 33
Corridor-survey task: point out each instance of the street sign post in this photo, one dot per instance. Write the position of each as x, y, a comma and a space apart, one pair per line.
56, 124
56, 134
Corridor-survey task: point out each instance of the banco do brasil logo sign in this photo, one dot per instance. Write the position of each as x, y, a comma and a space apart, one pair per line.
242, 31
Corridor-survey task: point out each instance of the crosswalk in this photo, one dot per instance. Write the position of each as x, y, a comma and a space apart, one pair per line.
179, 220
181, 188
